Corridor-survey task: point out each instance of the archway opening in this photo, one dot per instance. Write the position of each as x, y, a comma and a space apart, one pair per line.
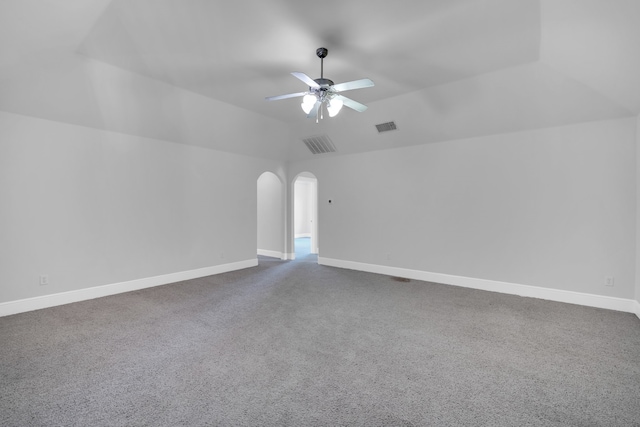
305, 215
270, 227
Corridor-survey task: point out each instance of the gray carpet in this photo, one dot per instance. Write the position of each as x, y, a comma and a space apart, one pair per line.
297, 344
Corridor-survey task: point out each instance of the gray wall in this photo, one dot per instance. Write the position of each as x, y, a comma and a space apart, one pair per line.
637, 252
552, 208
89, 207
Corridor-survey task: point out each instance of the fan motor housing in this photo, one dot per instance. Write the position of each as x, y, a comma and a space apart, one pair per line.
323, 90
324, 82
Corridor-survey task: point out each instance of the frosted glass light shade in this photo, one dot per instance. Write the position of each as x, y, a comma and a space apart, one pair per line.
307, 103
334, 107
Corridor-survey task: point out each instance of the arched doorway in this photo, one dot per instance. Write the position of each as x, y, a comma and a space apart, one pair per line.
270, 227
305, 214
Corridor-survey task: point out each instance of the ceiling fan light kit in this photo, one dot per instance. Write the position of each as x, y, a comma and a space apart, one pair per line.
323, 94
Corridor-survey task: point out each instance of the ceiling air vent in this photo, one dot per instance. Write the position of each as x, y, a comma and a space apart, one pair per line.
385, 127
319, 144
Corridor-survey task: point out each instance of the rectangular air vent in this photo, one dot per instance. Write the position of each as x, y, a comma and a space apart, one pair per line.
319, 144
385, 127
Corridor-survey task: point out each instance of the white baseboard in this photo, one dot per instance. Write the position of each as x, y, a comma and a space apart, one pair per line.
272, 254
637, 308
289, 256
45, 301
590, 300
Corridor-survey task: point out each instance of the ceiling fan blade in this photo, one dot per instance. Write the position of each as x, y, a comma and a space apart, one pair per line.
306, 79
356, 84
354, 105
289, 95
314, 111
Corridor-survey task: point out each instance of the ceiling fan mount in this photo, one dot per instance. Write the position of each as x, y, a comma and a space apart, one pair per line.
322, 52
324, 93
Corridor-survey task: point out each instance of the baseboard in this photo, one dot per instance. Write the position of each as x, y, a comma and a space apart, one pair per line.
590, 300
637, 308
46, 301
272, 254
289, 256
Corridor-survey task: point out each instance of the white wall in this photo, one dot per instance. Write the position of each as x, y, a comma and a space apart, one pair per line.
552, 208
91, 207
270, 215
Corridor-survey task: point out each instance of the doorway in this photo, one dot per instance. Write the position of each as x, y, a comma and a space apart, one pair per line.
305, 215
270, 226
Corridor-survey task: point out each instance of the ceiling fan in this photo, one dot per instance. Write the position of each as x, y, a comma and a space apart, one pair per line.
324, 94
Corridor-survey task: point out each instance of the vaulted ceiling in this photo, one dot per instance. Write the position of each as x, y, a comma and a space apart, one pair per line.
197, 71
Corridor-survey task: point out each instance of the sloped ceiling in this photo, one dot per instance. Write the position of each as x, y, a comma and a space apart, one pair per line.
197, 71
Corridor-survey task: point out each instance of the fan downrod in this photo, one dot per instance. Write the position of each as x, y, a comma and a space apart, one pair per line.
322, 53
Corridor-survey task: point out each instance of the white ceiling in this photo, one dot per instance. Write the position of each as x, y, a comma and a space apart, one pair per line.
197, 71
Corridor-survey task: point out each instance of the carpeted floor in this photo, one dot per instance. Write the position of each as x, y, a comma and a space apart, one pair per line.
291, 343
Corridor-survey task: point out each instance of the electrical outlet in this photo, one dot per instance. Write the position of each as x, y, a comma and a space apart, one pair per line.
44, 279
608, 281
